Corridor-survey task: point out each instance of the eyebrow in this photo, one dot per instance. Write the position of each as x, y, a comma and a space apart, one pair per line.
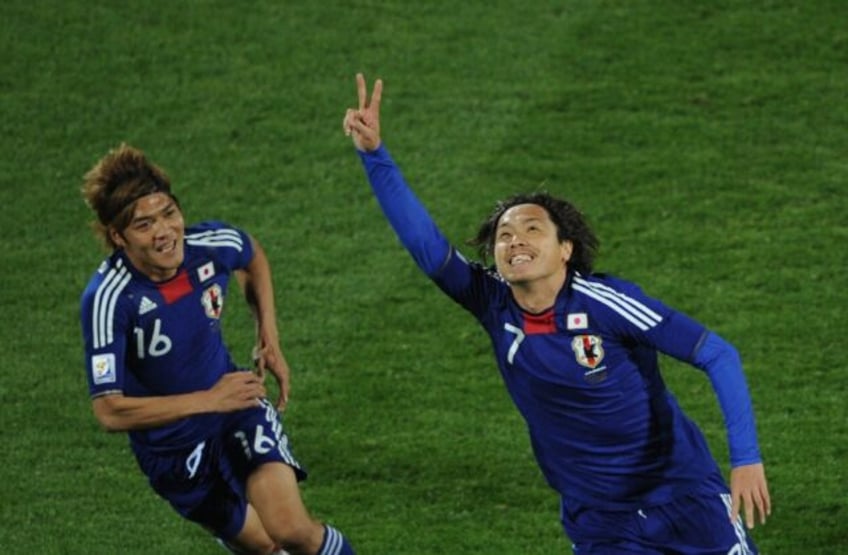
153, 214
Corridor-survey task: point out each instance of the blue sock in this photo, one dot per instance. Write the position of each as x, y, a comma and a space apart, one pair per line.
334, 543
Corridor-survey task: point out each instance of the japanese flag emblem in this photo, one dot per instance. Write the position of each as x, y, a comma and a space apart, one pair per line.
577, 321
206, 271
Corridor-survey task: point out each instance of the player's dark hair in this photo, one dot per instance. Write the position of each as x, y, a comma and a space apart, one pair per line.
570, 222
112, 187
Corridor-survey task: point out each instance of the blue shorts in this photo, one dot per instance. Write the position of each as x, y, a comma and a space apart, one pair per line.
696, 524
206, 483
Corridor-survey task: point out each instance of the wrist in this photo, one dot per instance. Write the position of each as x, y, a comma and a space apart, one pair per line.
200, 402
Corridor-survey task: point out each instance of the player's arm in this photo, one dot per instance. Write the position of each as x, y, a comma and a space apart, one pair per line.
410, 220
721, 362
648, 321
748, 486
234, 391
259, 293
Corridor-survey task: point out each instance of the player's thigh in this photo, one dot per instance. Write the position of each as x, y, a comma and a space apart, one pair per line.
200, 485
258, 446
255, 437
273, 491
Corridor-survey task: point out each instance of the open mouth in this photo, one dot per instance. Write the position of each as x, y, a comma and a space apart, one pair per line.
520, 260
167, 248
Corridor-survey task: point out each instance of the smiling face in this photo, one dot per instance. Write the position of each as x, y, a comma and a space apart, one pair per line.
527, 249
153, 240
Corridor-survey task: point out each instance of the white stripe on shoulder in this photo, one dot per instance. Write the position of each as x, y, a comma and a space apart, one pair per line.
215, 232
632, 310
216, 238
237, 245
105, 299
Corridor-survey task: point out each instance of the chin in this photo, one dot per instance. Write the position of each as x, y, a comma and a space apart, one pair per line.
171, 264
514, 279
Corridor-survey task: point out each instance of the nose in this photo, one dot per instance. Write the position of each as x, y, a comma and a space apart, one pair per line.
517, 240
160, 228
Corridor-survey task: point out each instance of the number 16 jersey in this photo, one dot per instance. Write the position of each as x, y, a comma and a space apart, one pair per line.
144, 338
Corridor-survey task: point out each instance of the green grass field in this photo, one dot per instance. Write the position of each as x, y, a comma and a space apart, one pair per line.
707, 142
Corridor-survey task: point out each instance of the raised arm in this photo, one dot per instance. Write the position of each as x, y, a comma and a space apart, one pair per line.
406, 214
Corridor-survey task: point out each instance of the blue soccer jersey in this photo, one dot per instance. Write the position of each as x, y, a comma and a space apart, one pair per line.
584, 374
145, 338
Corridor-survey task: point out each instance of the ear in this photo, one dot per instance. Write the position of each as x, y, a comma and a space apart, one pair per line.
117, 238
566, 248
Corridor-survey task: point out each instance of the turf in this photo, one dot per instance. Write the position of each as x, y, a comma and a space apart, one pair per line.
705, 141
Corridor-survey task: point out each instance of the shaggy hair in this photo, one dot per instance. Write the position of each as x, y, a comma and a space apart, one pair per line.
570, 222
112, 187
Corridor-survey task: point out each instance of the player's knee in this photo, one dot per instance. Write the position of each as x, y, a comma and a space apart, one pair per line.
297, 535
253, 547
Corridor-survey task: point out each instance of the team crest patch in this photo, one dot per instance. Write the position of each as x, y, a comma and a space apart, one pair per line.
103, 369
588, 350
213, 301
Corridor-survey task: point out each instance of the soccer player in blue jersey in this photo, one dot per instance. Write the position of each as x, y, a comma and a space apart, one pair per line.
201, 428
577, 351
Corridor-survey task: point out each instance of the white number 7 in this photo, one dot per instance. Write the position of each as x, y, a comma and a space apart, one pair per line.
519, 337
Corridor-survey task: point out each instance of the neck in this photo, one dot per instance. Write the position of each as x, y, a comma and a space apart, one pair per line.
154, 273
537, 296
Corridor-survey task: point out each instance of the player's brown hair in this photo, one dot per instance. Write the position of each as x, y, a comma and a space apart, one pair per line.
570, 222
112, 187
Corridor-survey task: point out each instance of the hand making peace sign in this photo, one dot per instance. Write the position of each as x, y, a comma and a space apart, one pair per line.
363, 124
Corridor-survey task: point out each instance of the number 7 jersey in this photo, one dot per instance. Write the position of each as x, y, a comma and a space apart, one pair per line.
144, 338
585, 376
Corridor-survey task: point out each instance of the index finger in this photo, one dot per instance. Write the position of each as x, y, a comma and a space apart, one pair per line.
361, 90
283, 398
